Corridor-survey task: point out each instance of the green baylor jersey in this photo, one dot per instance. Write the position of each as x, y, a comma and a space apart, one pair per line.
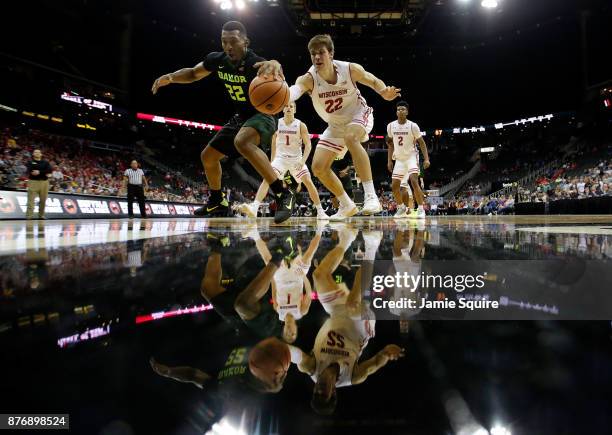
236, 78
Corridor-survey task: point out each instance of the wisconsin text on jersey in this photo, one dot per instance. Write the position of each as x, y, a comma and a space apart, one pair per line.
333, 93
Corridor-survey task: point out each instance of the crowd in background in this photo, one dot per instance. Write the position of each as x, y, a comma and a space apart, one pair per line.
79, 168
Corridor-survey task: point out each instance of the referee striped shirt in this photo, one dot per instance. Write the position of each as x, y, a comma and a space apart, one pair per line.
134, 176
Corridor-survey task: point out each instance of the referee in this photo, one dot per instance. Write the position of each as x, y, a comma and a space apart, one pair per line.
135, 179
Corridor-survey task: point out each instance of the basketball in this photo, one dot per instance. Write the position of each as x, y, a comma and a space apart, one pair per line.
268, 95
268, 358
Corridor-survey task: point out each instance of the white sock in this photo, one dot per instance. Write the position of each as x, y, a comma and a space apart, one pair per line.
420, 207
256, 204
344, 199
368, 188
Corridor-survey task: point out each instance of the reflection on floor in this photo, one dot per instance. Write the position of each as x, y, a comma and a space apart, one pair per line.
99, 318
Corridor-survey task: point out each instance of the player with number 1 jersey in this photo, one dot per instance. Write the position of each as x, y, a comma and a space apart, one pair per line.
287, 156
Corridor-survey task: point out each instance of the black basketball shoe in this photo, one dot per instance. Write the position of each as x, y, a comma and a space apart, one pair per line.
214, 208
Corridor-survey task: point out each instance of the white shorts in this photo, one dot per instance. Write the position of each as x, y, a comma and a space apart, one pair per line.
403, 168
294, 166
334, 301
332, 138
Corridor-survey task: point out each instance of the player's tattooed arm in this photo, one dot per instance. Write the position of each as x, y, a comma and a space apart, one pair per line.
305, 363
183, 75
360, 75
302, 84
189, 375
391, 352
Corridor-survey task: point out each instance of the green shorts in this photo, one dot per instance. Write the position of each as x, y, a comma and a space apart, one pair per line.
223, 141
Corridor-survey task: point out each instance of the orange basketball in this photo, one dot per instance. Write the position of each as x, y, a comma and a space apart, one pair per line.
268, 358
268, 95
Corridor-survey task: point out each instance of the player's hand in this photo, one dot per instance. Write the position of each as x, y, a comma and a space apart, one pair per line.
35, 172
161, 82
270, 68
343, 173
390, 166
390, 93
392, 352
426, 164
158, 368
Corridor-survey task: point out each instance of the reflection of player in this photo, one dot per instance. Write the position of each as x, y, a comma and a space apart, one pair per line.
291, 289
234, 389
332, 84
408, 249
333, 361
241, 298
402, 137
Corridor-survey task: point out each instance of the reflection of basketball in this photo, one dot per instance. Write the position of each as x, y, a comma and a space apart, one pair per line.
268, 358
268, 95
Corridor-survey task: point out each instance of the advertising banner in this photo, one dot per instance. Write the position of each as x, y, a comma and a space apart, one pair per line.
13, 205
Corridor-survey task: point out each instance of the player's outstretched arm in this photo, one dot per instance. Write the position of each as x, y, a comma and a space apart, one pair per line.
183, 75
391, 352
302, 84
360, 75
182, 374
305, 363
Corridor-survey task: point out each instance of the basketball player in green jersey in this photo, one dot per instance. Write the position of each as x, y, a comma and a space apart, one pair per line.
248, 130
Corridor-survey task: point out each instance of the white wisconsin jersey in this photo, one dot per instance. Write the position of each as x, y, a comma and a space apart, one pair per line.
341, 340
288, 139
336, 104
289, 290
405, 138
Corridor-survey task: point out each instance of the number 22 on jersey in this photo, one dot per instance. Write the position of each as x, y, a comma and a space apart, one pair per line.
235, 92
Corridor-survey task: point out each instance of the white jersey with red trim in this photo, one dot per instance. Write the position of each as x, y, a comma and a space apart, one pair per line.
404, 137
289, 284
288, 139
341, 340
336, 104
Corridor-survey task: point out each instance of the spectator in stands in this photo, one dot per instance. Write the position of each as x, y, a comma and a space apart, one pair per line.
56, 175
38, 171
